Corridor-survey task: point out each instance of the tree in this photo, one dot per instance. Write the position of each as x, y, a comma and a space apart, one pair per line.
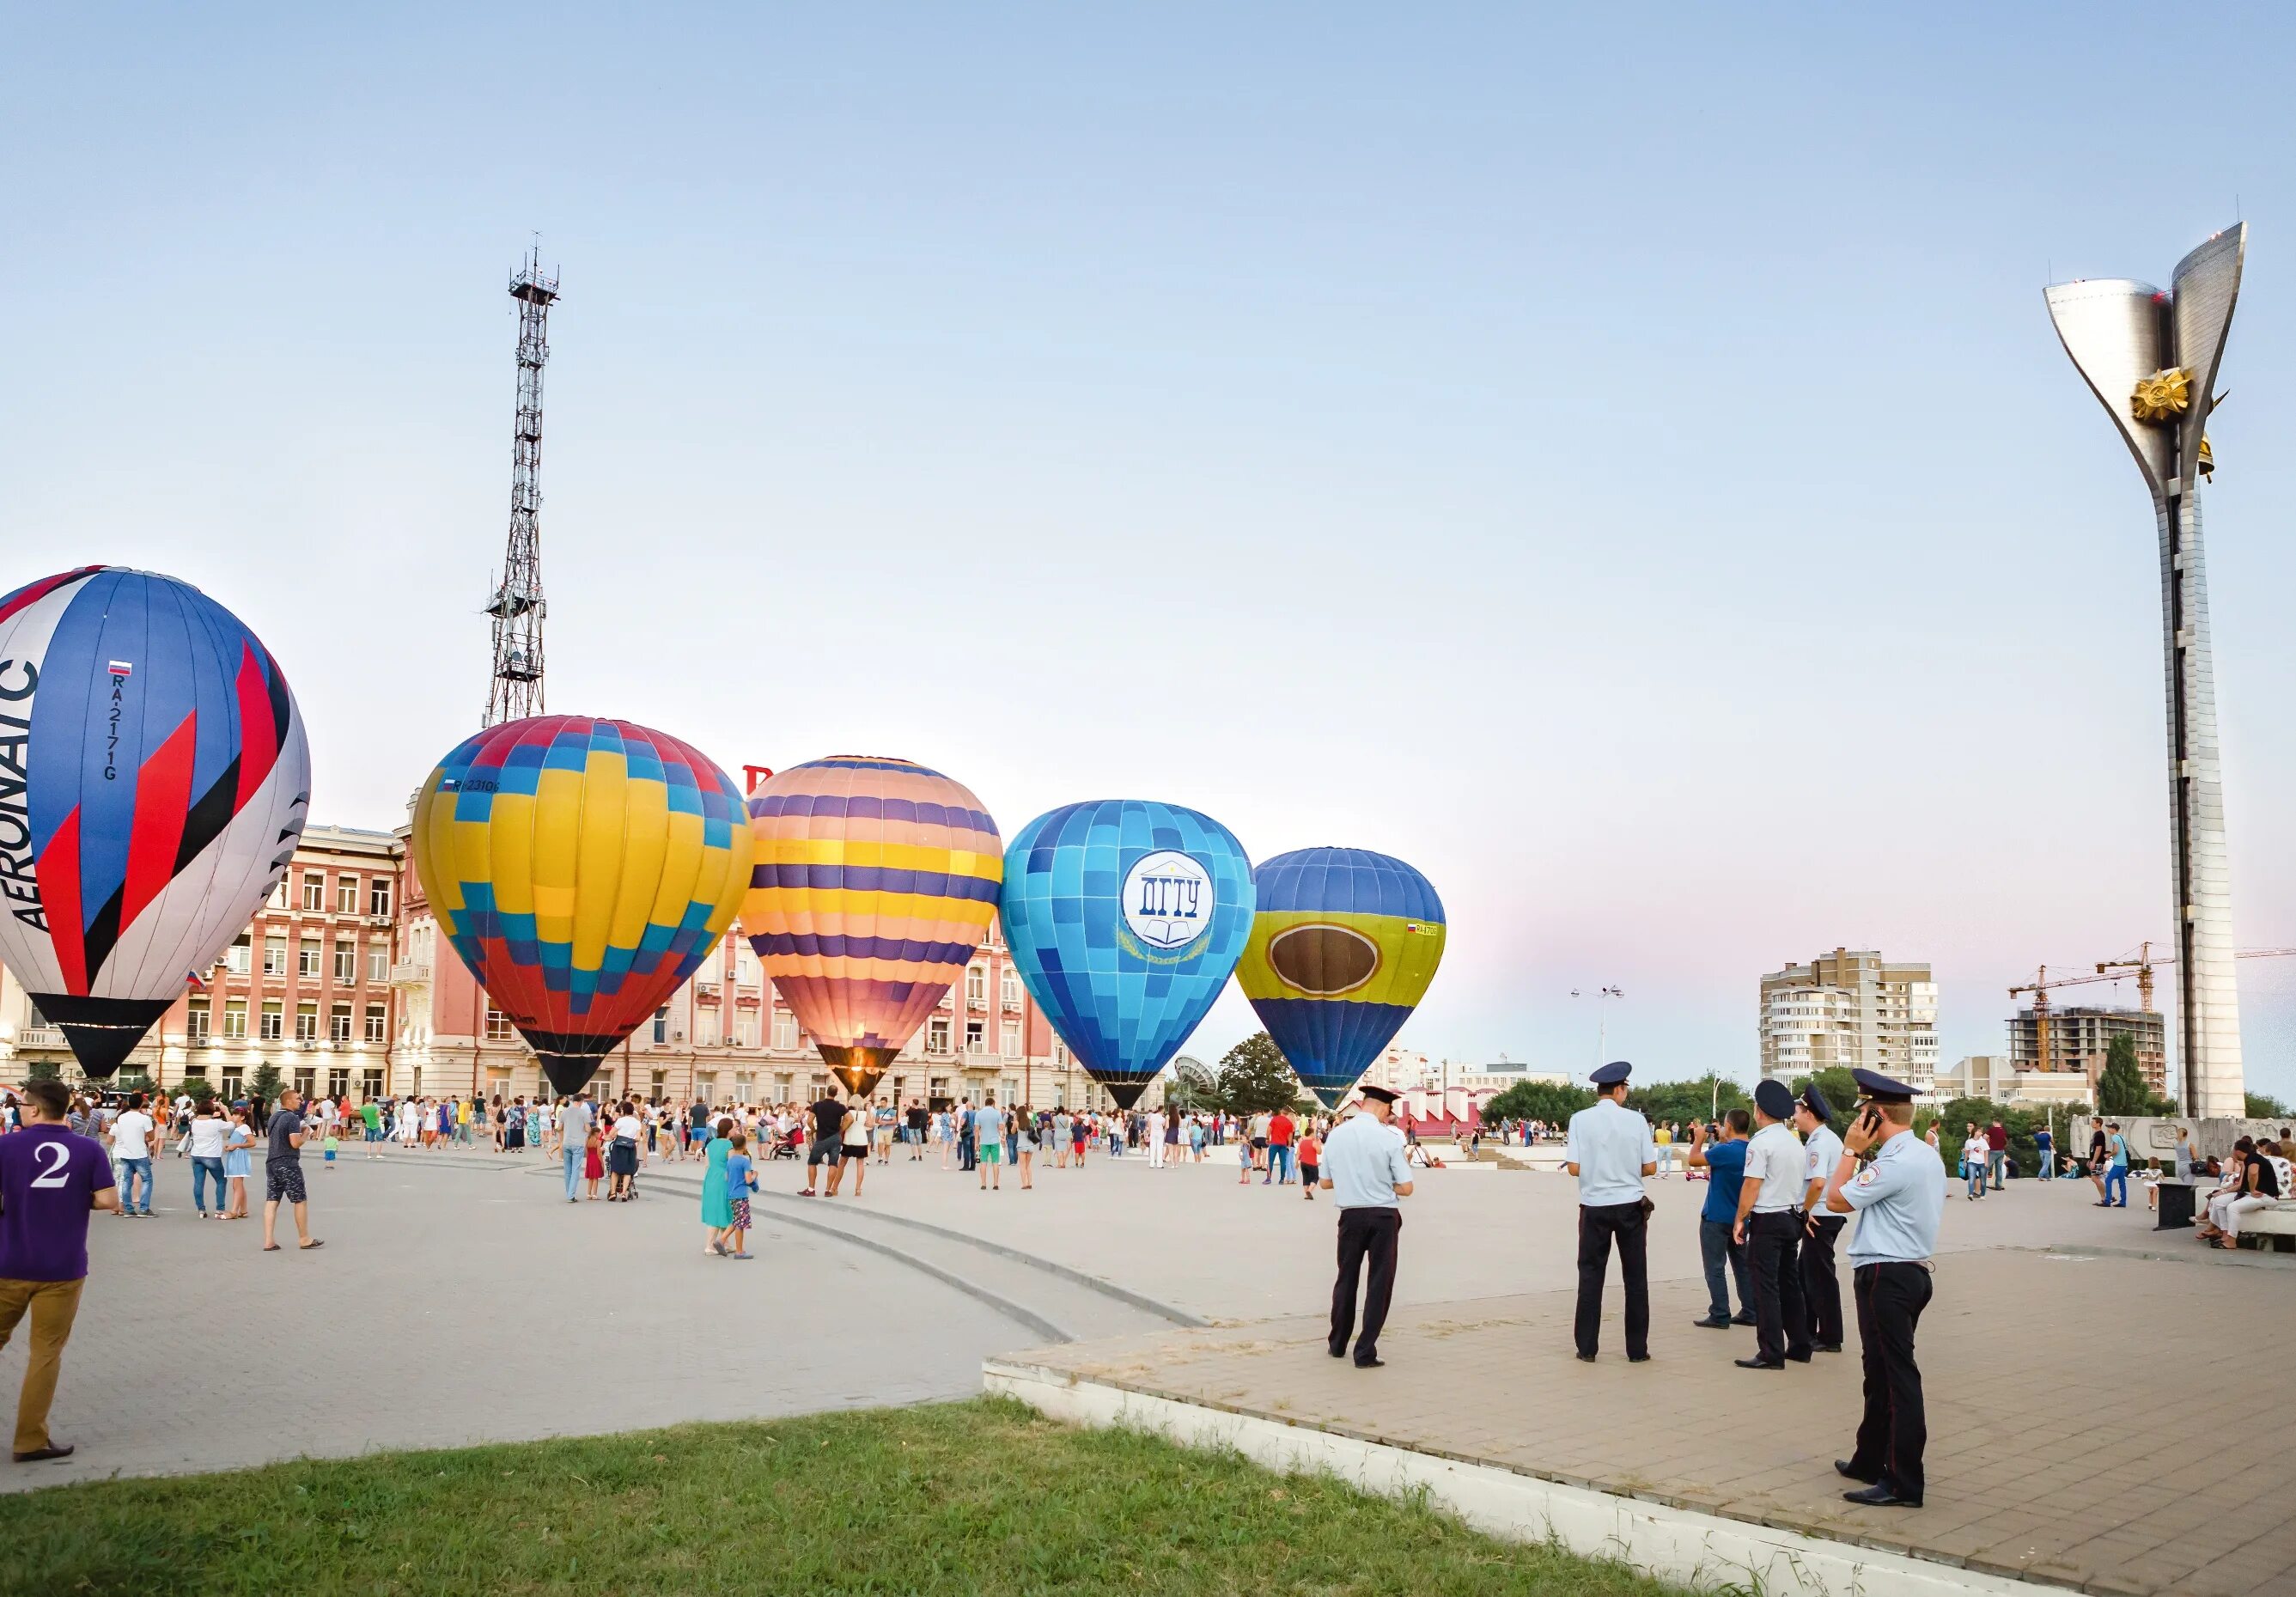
44, 1070
134, 1081
1255, 1078
1836, 1083
196, 1087
266, 1086
1553, 1101
1681, 1102
2262, 1106
2121, 1090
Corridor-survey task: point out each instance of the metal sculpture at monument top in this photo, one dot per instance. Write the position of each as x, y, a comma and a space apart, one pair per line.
2150, 356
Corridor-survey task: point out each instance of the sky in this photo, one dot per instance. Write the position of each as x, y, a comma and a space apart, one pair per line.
1616, 460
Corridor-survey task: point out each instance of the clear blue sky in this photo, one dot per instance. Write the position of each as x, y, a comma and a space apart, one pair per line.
1618, 461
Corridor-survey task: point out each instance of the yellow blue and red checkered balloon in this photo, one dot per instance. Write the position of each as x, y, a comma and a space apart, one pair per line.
582, 869
1343, 946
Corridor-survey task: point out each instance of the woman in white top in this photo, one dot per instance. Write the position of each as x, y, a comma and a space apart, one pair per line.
204, 1141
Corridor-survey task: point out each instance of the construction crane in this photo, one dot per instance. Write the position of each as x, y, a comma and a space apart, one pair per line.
2109, 969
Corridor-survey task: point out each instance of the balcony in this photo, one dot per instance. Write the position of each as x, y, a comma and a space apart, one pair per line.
39, 1036
409, 973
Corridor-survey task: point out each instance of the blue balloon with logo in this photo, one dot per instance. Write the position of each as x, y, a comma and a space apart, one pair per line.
1125, 917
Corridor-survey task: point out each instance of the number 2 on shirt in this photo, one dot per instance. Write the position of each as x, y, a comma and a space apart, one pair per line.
52, 1173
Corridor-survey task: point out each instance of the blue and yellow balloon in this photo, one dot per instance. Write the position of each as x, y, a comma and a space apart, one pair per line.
1344, 946
1125, 917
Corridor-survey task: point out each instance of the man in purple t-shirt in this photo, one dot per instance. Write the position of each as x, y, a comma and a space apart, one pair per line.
51, 1179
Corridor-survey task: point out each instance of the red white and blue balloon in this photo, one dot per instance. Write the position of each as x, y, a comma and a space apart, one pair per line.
154, 779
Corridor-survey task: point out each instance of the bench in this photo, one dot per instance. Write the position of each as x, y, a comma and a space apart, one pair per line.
2273, 1228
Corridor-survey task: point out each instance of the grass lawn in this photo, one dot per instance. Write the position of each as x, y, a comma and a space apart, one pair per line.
974, 1496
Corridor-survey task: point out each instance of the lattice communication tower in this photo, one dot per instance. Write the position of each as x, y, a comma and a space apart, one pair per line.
517, 606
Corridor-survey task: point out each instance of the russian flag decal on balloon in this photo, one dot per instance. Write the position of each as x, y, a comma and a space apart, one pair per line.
154, 778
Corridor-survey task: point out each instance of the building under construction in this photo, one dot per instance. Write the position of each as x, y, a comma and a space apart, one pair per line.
2077, 1039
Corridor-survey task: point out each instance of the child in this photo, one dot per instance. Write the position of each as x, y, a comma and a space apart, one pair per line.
1311, 1159
330, 1144
593, 1162
741, 1181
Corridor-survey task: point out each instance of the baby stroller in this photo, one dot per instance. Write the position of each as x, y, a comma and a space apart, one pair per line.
788, 1146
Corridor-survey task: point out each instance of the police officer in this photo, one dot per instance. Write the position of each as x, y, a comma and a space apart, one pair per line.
1366, 1171
1900, 1197
1769, 1223
1821, 1289
1610, 1150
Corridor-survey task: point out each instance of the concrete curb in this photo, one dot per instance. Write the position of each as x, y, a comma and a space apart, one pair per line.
1698, 1550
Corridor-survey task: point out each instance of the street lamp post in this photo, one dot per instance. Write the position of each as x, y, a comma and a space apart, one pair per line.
1602, 1020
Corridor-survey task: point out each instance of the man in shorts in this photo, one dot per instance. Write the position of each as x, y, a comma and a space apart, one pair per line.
988, 1142
283, 1174
828, 1129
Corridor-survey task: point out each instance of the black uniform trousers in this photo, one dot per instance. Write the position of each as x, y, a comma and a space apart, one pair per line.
1821, 1288
1895, 1430
1364, 1234
1599, 1224
1780, 1322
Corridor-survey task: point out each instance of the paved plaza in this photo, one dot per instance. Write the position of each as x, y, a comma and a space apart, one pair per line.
460, 1299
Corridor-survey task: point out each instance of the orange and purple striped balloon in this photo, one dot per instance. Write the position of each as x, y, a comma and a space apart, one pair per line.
872, 884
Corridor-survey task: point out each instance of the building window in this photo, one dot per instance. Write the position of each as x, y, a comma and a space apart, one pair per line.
378, 963
232, 1080
658, 1083
974, 1041
307, 1079
235, 958
234, 1018
705, 1086
662, 1024
306, 957
976, 985
314, 890
371, 1085
346, 962
274, 956
936, 1035
705, 1030
1012, 1039
378, 897
1011, 986
375, 1022
745, 1030
784, 1030
347, 895
306, 1021
338, 1083
279, 892
273, 1013
195, 1023
497, 1025
338, 1023
744, 1084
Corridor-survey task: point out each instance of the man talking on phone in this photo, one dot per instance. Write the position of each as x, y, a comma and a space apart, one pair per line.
1900, 1200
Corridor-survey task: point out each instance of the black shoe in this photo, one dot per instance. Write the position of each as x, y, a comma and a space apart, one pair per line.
1585, 1358
1759, 1364
1639, 1358
1883, 1495
1742, 1320
1374, 1363
40, 1455
1338, 1352
1829, 1347
1799, 1358
1714, 1322
1842, 1467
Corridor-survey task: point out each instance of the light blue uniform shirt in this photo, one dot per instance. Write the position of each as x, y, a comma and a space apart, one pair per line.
1900, 1203
1364, 1161
1610, 1143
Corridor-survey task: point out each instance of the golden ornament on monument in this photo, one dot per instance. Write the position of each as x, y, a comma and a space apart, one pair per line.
2162, 396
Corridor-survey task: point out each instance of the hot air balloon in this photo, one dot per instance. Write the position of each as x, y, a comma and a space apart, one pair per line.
1343, 945
154, 779
873, 883
1125, 917
582, 869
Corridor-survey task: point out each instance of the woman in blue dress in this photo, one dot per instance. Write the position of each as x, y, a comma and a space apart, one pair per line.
236, 1141
717, 1203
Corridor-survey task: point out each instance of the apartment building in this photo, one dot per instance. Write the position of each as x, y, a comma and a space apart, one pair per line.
1854, 1008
